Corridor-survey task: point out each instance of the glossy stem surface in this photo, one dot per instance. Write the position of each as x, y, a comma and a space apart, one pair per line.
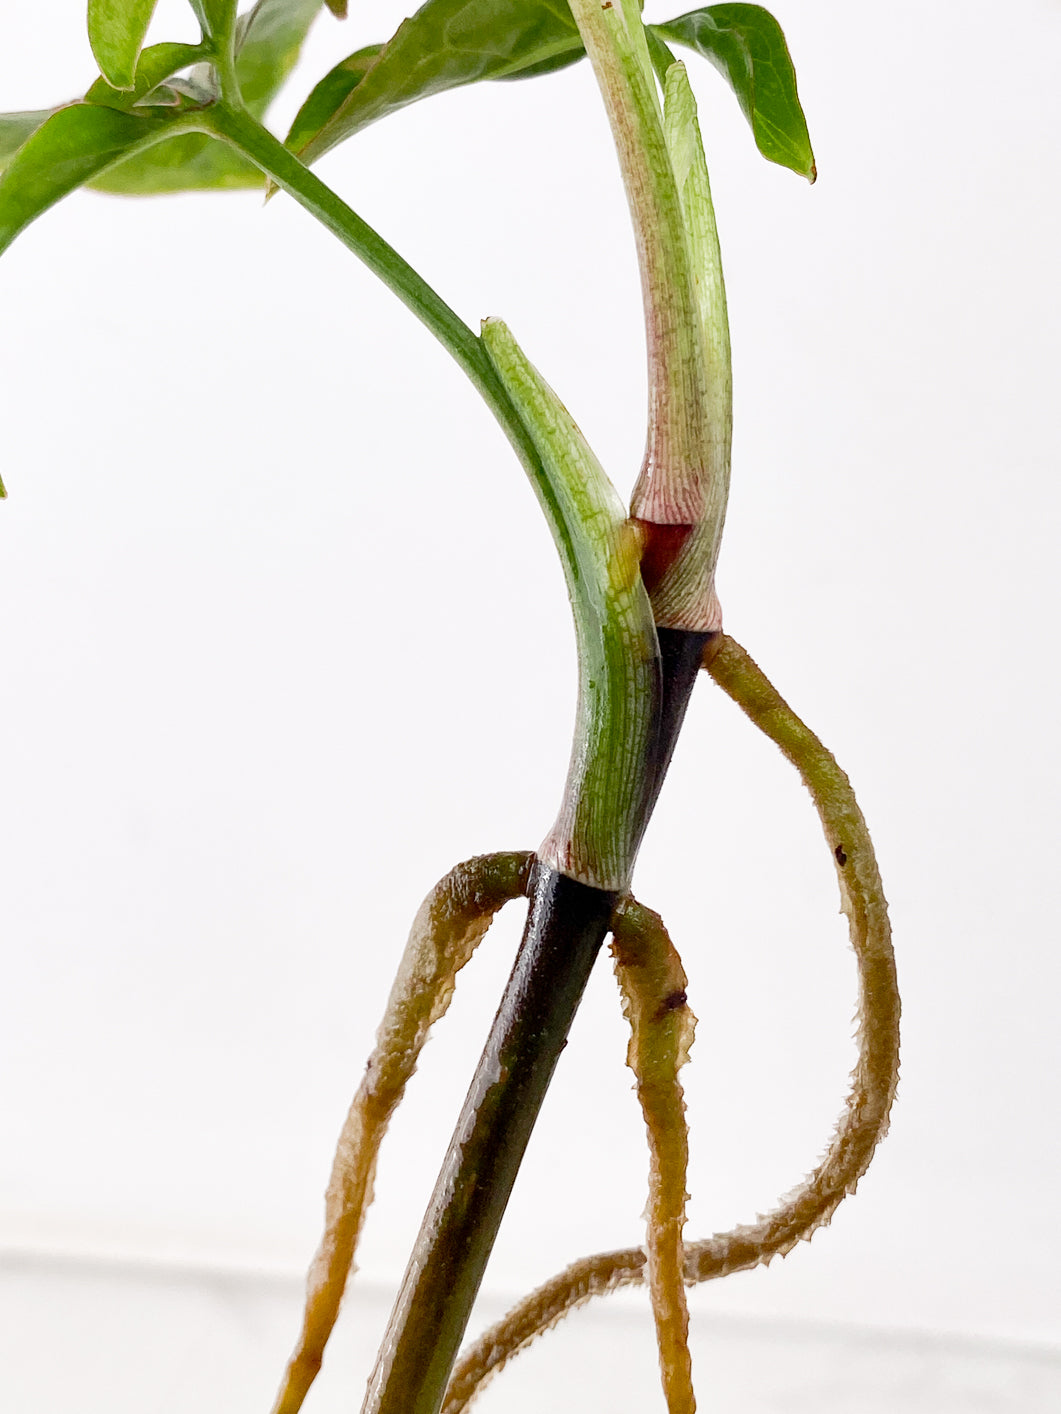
566, 925
681, 656
284, 169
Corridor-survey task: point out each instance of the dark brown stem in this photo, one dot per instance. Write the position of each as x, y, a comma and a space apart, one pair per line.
864, 1121
566, 926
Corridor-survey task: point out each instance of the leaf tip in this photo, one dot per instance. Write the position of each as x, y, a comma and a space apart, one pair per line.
3, 490
117, 70
121, 77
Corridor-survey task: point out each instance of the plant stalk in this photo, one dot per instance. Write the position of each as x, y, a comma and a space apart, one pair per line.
282, 167
672, 488
566, 925
568, 918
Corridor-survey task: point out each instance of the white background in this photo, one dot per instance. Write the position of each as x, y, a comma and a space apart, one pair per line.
284, 637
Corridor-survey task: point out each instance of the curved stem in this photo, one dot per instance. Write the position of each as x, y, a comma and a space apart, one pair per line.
864, 1121
269, 154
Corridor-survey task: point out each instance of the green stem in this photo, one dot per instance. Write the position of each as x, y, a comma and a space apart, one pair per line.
219, 39
268, 153
603, 812
446, 931
565, 928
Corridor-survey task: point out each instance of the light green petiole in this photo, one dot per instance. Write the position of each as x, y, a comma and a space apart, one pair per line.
598, 830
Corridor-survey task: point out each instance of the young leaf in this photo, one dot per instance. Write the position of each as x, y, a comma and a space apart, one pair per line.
746, 44
446, 44
159, 62
268, 43
197, 88
75, 144
450, 43
116, 30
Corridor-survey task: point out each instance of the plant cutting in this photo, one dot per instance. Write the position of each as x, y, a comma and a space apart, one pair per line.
168, 117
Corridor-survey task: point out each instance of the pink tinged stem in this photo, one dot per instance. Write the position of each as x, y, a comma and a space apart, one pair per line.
671, 489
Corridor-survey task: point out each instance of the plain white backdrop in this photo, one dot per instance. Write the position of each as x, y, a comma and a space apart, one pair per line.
284, 637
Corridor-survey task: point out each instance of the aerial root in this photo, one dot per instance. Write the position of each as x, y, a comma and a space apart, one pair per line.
451, 922
652, 983
864, 1120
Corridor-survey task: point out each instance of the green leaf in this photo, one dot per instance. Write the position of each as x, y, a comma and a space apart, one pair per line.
197, 88
75, 145
450, 43
190, 162
116, 30
545, 66
329, 95
446, 44
268, 41
15, 128
746, 44
187, 162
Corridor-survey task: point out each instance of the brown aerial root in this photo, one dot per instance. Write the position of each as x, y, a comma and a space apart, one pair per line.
864, 1120
446, 931
653, 982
